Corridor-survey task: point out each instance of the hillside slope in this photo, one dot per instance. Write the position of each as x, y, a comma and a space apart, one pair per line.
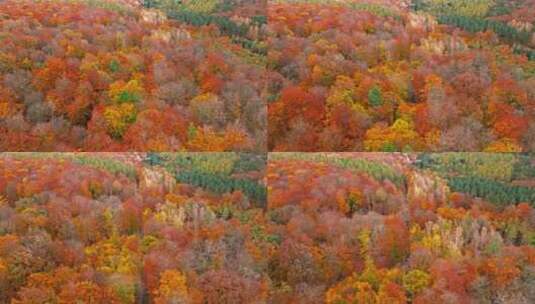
97, 75
302, 228
94, 228
386, 76
378, 228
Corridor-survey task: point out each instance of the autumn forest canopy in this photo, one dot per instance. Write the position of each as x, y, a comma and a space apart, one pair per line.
257, 75
291, 228
232, 151
95, 75
129, 228
395, 75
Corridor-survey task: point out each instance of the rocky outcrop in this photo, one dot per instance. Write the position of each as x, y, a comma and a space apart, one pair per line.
195, 213
153, 16
444, 45
426, 187
158, 178
422, 20
521, 25
172, 35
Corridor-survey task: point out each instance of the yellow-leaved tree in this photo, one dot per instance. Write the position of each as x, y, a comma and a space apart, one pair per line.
172, 289
118, 117
122, 111
504, 145
400, 136
372, 285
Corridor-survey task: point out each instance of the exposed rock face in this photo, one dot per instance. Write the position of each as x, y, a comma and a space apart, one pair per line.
172, 35
520, 25
132, 3
422, 20
195, 213
153, 16
449, 239
170, 214
156, 178
444, 45
427, 187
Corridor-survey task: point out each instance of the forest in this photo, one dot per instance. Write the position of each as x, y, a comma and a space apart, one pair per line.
258, 75
403, 228
134, 139
126, 75
128, 228
371, 228
399, 75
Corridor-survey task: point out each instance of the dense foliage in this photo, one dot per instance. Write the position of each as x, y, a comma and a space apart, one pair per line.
77, 228
337, 228
512, 21
365, 240
219, 172
498, 178
99, 75
241, 20
400, 76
